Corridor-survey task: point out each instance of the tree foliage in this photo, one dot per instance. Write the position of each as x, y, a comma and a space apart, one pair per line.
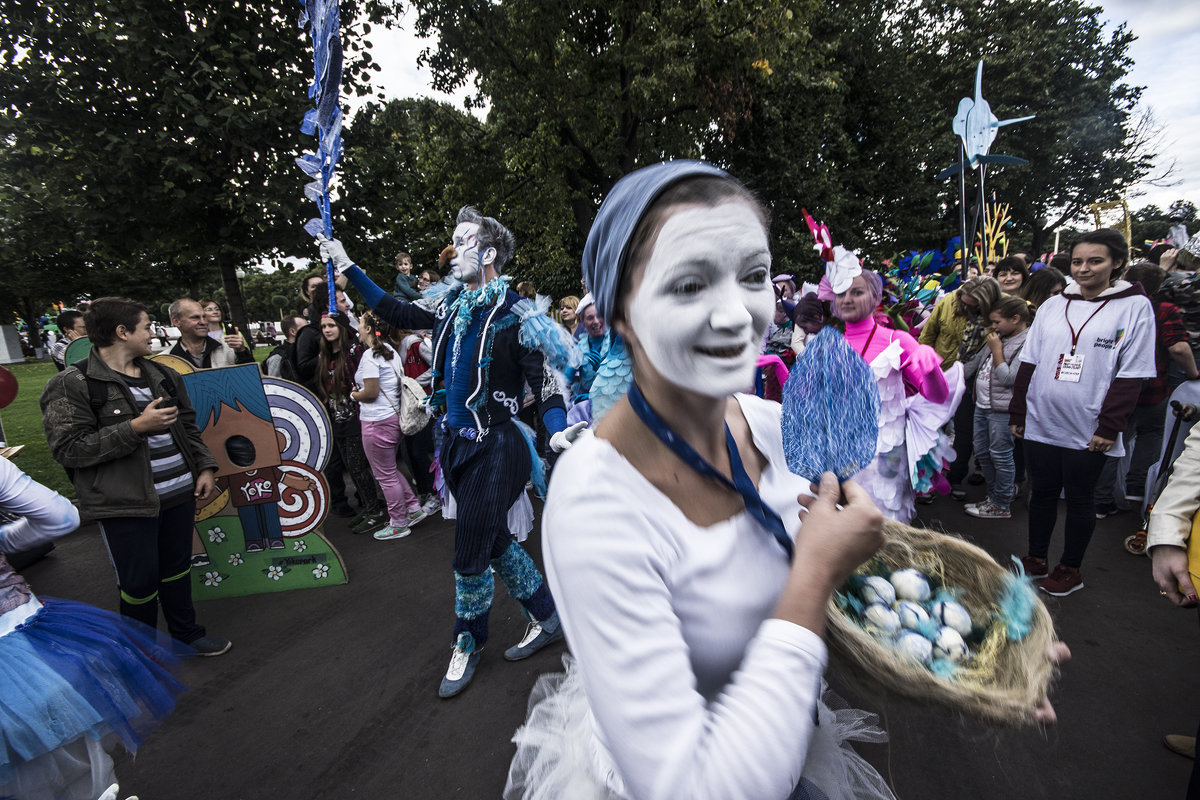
147, 147
147, 136
409, 166
582, 93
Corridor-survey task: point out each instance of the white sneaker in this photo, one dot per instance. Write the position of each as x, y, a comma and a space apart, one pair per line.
462, 666
432, 505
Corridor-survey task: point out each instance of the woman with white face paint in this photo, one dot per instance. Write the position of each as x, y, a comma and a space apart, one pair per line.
690, 568
903, 368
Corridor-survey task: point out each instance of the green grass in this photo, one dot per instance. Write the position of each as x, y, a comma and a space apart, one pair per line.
23, 424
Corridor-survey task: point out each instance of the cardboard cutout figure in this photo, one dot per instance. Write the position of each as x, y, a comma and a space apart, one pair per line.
271, 440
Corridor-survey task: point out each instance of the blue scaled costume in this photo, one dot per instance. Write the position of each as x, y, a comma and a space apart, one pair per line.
488, 344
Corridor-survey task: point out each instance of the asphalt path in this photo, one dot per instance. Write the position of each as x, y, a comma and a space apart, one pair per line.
332, 692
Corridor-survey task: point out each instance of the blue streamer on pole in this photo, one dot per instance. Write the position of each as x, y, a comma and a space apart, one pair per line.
321, 19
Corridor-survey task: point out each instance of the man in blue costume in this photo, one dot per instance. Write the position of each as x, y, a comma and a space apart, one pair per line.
481, 362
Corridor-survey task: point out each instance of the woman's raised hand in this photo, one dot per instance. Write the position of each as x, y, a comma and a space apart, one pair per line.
842, 528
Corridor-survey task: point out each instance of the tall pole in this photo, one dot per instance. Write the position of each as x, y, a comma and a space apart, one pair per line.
983, 219
962, 206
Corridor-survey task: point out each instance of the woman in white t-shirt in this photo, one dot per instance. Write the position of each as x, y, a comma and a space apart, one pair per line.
1081, 373
378, 397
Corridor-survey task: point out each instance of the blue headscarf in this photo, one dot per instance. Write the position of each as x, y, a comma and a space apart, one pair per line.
607, 247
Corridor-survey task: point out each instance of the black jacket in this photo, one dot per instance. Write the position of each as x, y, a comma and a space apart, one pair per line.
501, 364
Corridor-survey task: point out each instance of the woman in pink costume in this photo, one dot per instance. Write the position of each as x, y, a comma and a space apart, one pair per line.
913, 394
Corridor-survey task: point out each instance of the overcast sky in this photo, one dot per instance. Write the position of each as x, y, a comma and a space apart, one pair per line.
1166, 61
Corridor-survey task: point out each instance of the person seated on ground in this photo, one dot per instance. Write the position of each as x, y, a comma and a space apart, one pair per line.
196, 346
73, 327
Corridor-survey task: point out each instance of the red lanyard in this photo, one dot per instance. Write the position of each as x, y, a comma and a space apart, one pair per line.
1075, 336
874, 328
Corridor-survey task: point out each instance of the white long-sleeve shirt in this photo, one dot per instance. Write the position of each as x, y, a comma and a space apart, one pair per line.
694, 690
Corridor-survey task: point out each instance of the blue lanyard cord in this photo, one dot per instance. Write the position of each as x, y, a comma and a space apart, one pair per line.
741, 483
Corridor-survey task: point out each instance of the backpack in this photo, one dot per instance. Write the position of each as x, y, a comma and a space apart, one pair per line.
414, 365
287, 361
98, 394
98, 389
413, 414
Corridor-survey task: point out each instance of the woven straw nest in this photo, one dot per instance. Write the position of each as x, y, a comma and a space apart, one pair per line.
1005, 680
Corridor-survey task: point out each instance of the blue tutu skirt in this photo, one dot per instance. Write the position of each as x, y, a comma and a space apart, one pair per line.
72, 671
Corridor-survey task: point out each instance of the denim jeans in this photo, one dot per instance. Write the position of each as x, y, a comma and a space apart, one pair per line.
994, 454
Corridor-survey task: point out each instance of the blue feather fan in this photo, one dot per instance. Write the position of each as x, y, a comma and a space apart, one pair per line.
830, 410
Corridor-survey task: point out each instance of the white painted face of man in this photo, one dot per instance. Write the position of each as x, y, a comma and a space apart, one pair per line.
705, 300
465, 266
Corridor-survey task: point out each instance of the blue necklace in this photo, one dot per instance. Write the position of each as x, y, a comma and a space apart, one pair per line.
741, 483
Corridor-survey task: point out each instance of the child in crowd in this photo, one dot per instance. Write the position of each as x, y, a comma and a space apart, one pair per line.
378, 399
406, 283
999, 362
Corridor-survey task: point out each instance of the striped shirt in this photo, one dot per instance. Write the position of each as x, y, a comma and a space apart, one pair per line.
172, 478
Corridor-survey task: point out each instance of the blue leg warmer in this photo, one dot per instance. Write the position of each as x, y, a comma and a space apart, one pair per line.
472, 602
524, 582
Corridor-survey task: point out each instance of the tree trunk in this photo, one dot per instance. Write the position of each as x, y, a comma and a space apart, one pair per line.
233, 296
31, 320
1039, 241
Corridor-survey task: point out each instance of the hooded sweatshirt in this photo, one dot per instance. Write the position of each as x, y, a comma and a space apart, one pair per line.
1114, 335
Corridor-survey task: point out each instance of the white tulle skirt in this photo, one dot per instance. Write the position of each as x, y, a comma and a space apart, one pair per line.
557, 751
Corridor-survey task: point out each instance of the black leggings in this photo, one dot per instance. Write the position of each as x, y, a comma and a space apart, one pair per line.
1053, 470
964, 436
152, 558
349, 444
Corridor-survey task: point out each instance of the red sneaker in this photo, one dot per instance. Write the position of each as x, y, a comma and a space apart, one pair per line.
1035, 567
1062, 581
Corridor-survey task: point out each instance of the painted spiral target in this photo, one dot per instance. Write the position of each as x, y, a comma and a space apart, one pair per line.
301, 512
301, 420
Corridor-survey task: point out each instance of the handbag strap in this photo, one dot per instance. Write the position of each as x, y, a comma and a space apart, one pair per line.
399, 384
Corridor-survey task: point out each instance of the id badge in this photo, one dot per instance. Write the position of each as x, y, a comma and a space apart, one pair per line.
1069, 368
